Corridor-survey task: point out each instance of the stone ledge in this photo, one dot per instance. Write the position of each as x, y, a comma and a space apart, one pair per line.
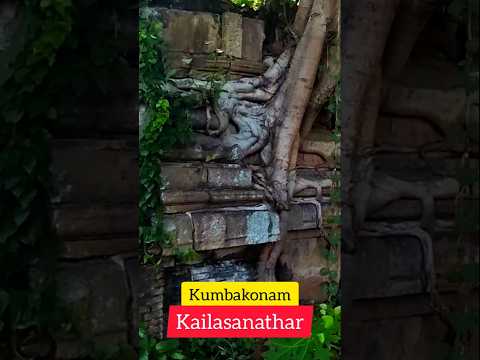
210, 229
81, 249
195, 176
234, 227
208, 196
77, 221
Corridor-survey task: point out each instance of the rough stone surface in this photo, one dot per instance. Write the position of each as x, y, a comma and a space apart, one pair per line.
74, 221
229, 176
185, 197
83, 249
232, 34
95, 293
114, 163
397, 272
180, 227
191, 32
303, 217
216, 228
304, 264
253, 37
234, 227
184, 176
150, 292
223, 271
236, 196
192, 176
210, 230
410, 338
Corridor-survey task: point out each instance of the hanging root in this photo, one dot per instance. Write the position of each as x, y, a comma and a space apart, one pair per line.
271, 253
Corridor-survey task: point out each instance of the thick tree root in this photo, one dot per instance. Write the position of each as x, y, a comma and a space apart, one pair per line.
249, 104
375, 190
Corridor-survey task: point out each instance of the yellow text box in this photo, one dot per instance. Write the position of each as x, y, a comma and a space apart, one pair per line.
240, 293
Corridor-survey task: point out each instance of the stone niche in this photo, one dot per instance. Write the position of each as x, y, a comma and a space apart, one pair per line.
201, 42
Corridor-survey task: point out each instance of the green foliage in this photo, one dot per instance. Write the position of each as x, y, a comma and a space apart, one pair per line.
27, 248
194, 349
59, 60
166, 125
254, 4
324, 344
333, 230
257, 4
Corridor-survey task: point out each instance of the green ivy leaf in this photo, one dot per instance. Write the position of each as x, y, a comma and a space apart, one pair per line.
327, 321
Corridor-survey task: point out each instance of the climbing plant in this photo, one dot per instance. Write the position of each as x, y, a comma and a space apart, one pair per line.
64, 54
165, 124
27, 247
194, 349
324, 344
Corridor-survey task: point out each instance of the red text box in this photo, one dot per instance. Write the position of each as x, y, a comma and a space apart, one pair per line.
240, 322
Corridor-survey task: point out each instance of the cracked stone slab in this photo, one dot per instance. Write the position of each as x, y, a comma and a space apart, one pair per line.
232, 34
190, 32
194, 176
235, 226
219, 228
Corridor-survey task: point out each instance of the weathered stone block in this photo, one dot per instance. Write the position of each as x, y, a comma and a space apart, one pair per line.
113, 163
119, 116
229, 176
72, 221
398, 271
185, 197
184, 176
303, 217
223, 196
227, 270
210, 230
195, 176
191, 32
223, 228
232, 34
253, 37
236, 225
182, 208
81, 249
180, 227
174, 197
304, 264
96, 295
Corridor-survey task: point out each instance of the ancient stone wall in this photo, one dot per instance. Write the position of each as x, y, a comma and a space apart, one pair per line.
95, 215
218, 217
387, 282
